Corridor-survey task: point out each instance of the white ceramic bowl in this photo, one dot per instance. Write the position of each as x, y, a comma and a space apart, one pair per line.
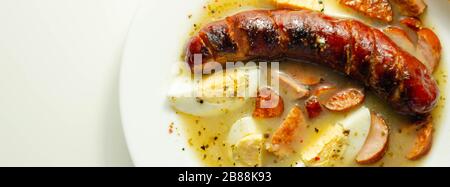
152, 49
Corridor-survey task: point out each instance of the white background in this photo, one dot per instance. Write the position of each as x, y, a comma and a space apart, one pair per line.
59, 69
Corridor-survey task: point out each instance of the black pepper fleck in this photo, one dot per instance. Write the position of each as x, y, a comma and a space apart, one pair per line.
346, 132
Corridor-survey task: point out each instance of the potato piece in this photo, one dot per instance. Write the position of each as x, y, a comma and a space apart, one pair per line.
268, 104
284, 135
300, 4
401, 38
376, 142
411, 7
345, 100
293, 86
378, 9
339, 144
423, 140
328, 149
313, 107
429, 47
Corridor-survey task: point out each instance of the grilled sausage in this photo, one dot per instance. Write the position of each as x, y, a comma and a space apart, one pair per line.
349, 46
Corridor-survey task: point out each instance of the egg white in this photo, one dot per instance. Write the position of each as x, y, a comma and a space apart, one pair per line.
245, 142
323, 152
358, 126
216, 94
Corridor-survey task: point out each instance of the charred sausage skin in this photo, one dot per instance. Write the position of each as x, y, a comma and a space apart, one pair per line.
349, 46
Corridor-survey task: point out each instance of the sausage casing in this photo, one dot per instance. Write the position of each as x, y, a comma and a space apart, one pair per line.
349, 46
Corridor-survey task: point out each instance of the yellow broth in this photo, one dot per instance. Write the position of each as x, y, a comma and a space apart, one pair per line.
207, 135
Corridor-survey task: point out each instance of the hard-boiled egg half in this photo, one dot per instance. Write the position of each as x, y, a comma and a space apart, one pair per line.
245, 142
340, 143
216, 94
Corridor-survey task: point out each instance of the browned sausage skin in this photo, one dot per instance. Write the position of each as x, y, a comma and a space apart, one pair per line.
360, 51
